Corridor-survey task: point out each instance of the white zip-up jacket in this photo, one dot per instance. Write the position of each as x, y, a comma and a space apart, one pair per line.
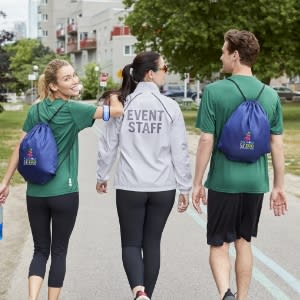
152, 142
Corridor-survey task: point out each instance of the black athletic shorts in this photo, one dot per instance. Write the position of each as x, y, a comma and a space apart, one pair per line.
232, 216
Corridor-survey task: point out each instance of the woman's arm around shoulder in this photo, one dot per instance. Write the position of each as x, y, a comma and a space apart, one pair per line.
116, 108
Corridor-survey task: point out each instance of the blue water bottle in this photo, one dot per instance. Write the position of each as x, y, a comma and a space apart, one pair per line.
1, 221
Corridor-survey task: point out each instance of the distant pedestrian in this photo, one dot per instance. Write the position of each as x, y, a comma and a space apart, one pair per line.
236, 189
52, 207
154, 161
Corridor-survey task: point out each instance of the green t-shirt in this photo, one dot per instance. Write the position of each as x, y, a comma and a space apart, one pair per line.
219, 100
66, 124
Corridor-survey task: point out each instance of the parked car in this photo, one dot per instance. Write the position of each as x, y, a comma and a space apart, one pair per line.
31, 95
285, 92
194, 95
176, 92
3, 98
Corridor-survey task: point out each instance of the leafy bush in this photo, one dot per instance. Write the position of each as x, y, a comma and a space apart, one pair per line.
91, 88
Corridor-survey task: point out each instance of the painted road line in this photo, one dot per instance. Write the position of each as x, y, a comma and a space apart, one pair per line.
273, 289
292, 281
269, 285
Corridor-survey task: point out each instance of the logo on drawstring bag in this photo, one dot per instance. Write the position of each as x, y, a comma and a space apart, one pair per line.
247, 143
29, 160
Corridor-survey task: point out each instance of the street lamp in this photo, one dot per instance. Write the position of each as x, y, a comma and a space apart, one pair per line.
32, 77
35, 70
97, 69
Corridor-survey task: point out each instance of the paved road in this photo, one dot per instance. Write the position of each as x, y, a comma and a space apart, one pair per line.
94, 267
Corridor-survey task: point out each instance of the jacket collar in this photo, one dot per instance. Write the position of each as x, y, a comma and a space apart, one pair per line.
146, 86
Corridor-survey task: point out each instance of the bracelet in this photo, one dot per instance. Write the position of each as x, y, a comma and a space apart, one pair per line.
106, 112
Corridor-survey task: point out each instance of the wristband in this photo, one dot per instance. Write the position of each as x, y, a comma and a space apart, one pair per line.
106, 112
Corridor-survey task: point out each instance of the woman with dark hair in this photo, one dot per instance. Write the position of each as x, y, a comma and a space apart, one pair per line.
52, 207
154, 161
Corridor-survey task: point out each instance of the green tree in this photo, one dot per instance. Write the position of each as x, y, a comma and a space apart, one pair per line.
190, 33
4, 67
5, 36
23, 55
90, 82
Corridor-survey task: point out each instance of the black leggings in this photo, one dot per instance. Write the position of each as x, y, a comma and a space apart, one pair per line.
142, 217
61, 211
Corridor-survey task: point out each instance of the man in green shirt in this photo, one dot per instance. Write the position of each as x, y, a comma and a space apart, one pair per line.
236, 189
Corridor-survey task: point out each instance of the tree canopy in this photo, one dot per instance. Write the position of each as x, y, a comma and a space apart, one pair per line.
90, 81
23, 55
190, 33
5, 36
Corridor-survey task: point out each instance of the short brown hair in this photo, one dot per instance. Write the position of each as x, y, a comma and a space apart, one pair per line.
245, 43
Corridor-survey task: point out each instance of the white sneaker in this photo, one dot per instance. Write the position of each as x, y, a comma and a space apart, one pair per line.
140, 295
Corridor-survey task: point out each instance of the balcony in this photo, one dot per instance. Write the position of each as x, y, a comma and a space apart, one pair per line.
72, 28
120, 30
88, 44
72, 47
60, 33
60, 51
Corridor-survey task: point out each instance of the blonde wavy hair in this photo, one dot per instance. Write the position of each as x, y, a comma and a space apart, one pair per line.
49, 76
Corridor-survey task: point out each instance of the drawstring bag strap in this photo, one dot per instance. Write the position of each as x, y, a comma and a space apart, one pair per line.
243, 93
38, 112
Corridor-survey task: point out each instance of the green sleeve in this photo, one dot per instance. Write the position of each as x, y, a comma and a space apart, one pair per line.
206, 114
277, 120
30, 120
82, 114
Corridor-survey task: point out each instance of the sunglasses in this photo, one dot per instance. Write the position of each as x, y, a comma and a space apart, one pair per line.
164, 68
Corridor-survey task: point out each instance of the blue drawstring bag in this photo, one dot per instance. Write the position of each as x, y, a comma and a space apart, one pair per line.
246, 134
38, 153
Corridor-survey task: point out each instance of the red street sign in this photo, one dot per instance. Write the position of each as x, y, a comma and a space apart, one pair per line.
103, 77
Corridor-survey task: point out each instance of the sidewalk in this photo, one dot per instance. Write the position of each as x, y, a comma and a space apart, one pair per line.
94, 266
94, 262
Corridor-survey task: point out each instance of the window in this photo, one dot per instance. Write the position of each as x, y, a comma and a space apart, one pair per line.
45, 33
129, 50
44, 17
83, 35
71, 21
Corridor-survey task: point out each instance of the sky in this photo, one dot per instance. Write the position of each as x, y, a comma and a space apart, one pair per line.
16, 10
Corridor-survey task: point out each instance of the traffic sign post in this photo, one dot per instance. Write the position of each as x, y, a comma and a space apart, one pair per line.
32, 77
186, 81
103, 79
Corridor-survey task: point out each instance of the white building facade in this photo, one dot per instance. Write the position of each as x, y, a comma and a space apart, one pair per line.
90, 31
32, 18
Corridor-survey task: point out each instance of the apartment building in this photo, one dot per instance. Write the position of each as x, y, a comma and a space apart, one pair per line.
19, 30
32, 18
88, 31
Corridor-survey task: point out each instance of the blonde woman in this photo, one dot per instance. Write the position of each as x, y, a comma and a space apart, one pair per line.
52, 207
